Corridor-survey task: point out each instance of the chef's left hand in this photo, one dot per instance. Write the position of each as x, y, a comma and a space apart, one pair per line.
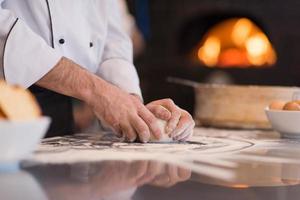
180, 123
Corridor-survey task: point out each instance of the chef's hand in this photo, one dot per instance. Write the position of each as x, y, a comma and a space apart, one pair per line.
119, 175
111, 177
124, 113
180, 123
170, 175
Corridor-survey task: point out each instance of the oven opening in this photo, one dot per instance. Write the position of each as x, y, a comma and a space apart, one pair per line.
236, 43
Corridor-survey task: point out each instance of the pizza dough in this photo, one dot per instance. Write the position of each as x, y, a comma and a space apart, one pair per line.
165, 138
17, 104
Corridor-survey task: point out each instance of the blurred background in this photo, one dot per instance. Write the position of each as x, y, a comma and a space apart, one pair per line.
174, 32
212, 41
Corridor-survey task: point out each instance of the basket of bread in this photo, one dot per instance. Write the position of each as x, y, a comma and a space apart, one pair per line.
21, 124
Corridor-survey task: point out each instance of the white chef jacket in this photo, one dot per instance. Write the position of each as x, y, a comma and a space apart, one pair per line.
35, 34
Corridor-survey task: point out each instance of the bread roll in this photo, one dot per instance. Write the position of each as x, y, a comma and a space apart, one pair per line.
165, 138
18, 104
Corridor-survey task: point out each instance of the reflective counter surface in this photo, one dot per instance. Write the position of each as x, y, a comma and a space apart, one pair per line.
214, 164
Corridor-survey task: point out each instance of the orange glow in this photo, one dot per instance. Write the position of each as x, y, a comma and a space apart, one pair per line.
259, 50
209, 52
236, 42
241, 31
233, 57
240, 186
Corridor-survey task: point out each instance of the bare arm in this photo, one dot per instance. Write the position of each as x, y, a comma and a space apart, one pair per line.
122, 111
70, 79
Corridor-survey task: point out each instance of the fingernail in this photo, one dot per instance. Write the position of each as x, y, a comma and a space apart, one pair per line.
146, 135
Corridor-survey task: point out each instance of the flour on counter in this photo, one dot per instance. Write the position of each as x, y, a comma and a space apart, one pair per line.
211, 152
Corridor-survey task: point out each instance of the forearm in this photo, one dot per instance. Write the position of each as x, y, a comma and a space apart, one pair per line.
113, 106
70, 79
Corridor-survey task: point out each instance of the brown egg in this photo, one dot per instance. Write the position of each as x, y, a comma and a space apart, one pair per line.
277, 105
297, 101
292, 106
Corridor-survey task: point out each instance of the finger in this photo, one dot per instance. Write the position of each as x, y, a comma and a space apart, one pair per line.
148, 176
141, 128
188, 131
156, 168
186, 134
173, 175
172, 172
117, 129
160, 112
186, 138
129, 132
175, 114
182, 126
151, 121
184, 174
185, 121
138, 169
161, 180
180, 133
144, 180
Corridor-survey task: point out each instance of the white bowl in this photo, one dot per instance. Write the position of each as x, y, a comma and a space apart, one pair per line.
19, 139
285, 122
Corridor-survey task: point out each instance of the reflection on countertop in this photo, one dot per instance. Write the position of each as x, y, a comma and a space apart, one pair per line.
17, 185
215, 163
106, 180
155, 180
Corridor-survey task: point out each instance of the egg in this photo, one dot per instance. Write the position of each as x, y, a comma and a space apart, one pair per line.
293, 106
297, 101
277, 105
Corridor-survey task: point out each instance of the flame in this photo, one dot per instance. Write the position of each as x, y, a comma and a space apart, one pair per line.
241, 31
259, 50
236, 43
210, 51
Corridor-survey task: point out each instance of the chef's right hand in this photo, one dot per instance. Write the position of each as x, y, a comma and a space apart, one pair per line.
124, 113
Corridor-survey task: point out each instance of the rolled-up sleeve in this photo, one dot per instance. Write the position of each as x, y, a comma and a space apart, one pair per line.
25, 56
117, 65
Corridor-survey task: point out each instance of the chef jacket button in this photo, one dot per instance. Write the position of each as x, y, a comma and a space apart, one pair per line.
91, 44
61, 41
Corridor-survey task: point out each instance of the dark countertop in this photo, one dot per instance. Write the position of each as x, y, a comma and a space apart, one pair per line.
215, 164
